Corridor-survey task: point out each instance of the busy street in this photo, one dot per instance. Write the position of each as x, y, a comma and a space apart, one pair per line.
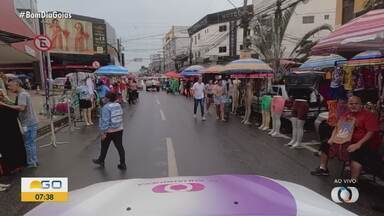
174, 143
234, 107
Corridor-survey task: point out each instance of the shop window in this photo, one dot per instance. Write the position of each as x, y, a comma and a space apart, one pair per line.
241, 47
195, 40
326, 17
222, 28
308, 19
223, 49
198, 36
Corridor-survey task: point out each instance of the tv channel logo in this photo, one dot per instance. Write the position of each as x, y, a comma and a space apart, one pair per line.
44, 189
345, 194
178, 187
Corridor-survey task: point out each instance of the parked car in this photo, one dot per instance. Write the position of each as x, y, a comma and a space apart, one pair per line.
152, 84
305, 84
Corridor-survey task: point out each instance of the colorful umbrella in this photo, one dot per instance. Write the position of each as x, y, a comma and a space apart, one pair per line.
368, 55
247, 66
194, 70
362, 33
112, 70
321, 62
215, 69
173, 74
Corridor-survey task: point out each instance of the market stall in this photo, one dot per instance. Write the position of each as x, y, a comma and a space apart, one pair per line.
359, 35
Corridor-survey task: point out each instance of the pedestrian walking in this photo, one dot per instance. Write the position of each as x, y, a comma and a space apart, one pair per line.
219, 99
27, 118
198, 90
111, 127
209, 94
85, 103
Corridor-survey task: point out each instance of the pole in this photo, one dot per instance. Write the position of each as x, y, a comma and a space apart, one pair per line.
245, 23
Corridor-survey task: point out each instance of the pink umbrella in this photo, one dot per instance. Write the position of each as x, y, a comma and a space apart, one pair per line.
363, 33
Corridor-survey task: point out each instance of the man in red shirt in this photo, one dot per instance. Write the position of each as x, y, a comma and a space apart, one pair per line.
365, 142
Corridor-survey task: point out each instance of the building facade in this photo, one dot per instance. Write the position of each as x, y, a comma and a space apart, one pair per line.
176, 45
346, 10
217, 37
308, 15
155, 63
79, 42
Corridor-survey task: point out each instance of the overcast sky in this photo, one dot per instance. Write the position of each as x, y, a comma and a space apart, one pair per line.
137, 18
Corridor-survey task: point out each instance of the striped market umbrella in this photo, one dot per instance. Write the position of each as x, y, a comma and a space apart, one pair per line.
248, 66
321, 62
194, 70
360, 34
215, 69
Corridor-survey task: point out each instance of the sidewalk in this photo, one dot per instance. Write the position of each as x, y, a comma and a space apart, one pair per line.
38, 101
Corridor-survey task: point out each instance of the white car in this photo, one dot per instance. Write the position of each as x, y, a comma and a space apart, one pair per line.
194, 196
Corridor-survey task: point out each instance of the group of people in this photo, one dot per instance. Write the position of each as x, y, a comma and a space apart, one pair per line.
218, 93
19, 128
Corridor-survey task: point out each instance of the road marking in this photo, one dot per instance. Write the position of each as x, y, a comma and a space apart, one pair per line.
172, 165
157, 101
162, 115
311, 149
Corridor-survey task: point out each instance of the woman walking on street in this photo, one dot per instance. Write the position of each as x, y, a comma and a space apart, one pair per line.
111, 126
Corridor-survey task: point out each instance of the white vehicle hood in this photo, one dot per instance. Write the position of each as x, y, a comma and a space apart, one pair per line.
194, 196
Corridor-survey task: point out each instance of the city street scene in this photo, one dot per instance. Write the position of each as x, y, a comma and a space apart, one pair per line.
195, 108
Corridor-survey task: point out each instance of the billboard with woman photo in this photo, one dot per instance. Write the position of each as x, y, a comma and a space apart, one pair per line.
70, 36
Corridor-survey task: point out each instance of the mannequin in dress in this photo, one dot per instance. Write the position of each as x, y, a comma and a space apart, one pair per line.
236, 95
299, 115
277, 109
248, 101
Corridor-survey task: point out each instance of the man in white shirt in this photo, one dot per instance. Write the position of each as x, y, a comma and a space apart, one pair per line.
198, 90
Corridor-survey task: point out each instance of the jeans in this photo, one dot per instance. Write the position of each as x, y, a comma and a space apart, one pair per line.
117, 138
197, 102
30, 136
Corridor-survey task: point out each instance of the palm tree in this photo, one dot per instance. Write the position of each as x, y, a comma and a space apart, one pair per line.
373, 4
304, 46
270, 32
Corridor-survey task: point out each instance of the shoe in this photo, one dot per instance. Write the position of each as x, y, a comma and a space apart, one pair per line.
204, 118
32, 166
290, 143
271, 132
122, 166
194, 116
296, 145
87, 124
91, 123
320, 172
3, 189
5, 185
98, 162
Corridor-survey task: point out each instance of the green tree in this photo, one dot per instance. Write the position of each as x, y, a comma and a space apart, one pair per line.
373, 4
270, 32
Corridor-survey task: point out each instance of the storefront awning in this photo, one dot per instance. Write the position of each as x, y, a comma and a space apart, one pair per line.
10, 55
10, 38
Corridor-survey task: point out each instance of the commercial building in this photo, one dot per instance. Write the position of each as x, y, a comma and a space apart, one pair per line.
308, 15
17, 52
217, 37
80, 42
155, 63
176, 46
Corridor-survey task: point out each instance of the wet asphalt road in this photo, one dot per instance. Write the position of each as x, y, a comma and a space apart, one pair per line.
161, 139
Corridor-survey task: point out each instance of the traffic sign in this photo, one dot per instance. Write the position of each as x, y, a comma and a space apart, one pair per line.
96, 64
42, 43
